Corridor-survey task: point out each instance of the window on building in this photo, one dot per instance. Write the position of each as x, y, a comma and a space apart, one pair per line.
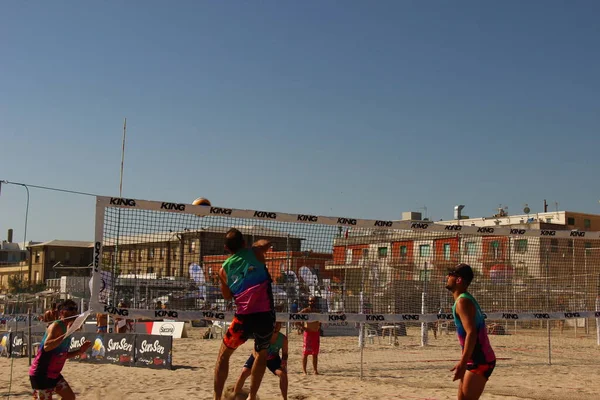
36, 277
588, 248
521, 246
52, 256
67, 256
495, 248
150, 270
174, 251
162, 253
121, 256
549, 220
587, 223
151, 253
447, 251
553, 245
571, 221
425, 275
192, 246
403, 251
424, 250
382, 252
365, 253
470, 248
141, 255
37, 256
131, 255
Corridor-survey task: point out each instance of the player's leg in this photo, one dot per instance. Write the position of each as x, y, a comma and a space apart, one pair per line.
222, 369
42, 394
64, 390
316, 348
257, 373
246, 370
234, 338
263, 326
304, 362
471, 386
283, 382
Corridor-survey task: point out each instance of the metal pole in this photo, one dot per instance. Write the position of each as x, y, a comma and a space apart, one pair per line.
598, 320
361, 336
122, 158
424, 307
547, 308
574, 283
29, 340
287, 278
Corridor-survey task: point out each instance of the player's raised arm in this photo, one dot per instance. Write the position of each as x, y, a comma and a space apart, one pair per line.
260, 247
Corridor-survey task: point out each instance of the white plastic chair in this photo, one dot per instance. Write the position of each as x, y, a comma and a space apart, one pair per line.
371, 333
218, 328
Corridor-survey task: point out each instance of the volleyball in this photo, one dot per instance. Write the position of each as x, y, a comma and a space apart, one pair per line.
201, 201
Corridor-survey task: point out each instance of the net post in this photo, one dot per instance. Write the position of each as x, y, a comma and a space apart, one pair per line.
598, 320
29, 345
424, 338
98, 237
547, 307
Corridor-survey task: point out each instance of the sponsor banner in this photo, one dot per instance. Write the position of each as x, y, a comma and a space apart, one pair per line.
153, 351
326, 318
342, 328
5, 344
338, 221
107, 348
169, 328
17, 344
180, 315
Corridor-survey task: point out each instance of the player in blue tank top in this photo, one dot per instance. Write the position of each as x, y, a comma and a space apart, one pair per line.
478, 359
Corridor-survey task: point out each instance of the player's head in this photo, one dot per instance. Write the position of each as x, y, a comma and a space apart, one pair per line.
312, 302
53, 307
459, 277
234, 241
67, 308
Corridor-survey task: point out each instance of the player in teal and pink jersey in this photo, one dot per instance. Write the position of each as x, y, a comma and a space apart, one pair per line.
245, 278
478, 359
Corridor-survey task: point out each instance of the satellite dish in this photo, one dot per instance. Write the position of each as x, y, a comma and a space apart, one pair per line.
526, 210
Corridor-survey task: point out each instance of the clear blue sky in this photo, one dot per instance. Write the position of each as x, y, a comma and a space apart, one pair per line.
348, 108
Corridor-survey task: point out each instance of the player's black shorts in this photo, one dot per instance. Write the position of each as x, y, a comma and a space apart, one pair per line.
260, 326
484, 369
273, 364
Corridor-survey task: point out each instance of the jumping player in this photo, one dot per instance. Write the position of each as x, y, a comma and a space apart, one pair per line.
478, 359
245, 278
45, 371
276, 364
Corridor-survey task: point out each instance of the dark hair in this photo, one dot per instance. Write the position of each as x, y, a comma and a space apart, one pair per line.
68, 304
463, 271
53, 306
234, 240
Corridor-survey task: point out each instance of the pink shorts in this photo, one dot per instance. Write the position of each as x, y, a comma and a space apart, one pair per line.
312, 340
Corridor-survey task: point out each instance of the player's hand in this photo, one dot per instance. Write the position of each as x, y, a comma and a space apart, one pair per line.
459, 370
